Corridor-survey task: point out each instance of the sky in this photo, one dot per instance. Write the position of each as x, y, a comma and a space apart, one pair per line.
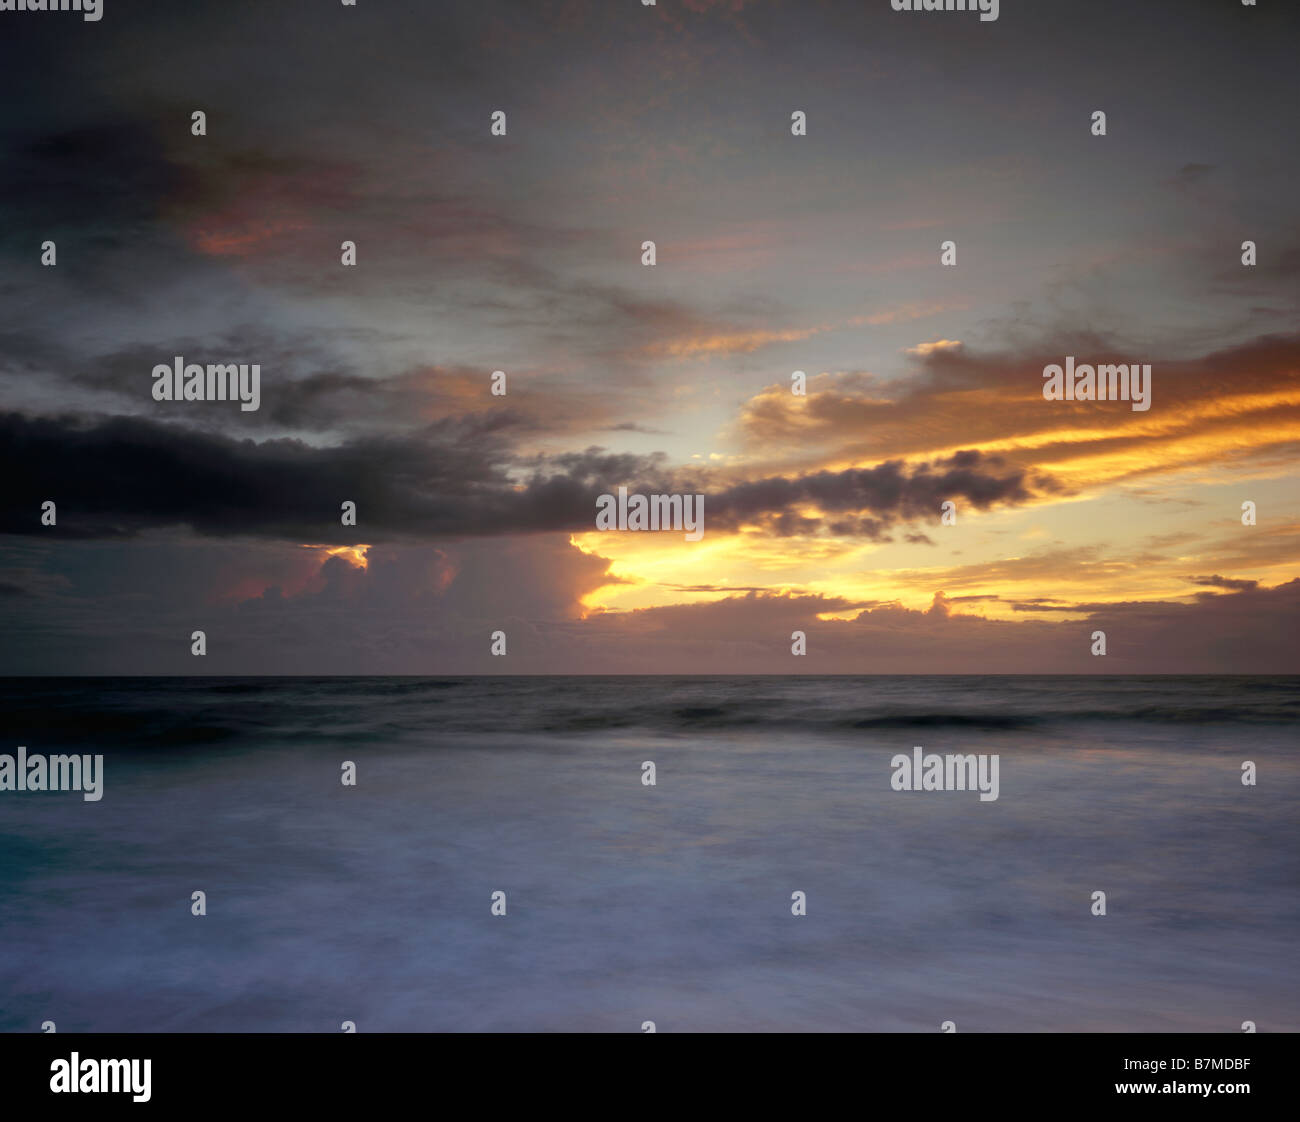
774, 253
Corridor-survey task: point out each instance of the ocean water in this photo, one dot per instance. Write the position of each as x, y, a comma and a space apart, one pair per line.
628, 903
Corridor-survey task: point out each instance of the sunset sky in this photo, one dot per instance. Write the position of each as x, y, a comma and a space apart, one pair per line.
775, 253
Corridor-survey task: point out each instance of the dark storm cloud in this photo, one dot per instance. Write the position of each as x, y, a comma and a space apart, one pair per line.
890, 490
119, 476
1217, 581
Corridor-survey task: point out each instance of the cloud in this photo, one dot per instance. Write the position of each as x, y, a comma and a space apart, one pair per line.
890, 491
925, 350
1239, 402
453, 477
1217, 581
735, 342
450, 478
420, 608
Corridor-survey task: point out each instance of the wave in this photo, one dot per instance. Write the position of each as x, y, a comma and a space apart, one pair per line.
153, 713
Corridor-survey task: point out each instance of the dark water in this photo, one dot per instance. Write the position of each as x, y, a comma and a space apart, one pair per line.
671, 903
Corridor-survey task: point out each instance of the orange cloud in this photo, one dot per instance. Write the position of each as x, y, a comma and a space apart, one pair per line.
738, 342
240, 239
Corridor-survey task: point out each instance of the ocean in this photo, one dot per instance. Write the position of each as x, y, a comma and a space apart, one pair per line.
627, 903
